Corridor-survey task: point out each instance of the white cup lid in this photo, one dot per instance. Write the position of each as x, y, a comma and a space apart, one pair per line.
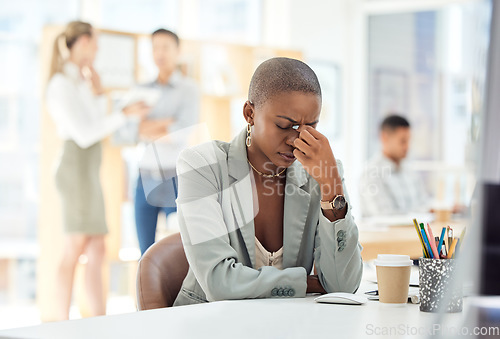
393, 260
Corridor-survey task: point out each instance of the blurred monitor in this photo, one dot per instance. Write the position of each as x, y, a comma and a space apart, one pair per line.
490, 171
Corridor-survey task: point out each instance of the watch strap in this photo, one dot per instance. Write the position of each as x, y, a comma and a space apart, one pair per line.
326, 205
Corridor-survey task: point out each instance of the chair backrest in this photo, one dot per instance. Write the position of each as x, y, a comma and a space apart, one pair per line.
160, 273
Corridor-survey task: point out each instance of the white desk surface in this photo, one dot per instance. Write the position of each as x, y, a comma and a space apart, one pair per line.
260, 318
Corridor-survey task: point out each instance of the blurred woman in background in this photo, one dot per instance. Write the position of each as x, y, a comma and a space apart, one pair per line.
77, 105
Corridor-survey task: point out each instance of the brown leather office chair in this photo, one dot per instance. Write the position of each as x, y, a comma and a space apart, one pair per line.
160, 273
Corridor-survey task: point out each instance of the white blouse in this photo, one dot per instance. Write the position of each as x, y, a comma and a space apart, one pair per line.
265, 258
79, 114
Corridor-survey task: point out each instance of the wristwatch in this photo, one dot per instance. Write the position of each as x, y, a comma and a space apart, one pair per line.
338, 203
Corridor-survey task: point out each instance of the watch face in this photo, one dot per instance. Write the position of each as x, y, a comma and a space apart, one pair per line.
339, 202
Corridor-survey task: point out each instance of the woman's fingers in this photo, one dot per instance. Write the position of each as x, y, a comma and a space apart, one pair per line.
302, 146
307, 142
313, 131
307, 137
301, 157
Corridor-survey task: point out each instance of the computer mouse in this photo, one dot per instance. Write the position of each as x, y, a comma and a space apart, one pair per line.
342, 298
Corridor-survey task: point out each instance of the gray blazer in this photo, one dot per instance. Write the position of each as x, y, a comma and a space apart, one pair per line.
215, 212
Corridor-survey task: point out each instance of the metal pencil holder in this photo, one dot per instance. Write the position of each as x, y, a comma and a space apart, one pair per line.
437, 285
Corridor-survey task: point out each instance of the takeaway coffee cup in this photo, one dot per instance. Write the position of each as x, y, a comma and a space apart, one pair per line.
393, 278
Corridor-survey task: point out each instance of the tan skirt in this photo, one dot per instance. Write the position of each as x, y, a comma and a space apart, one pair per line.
79, 186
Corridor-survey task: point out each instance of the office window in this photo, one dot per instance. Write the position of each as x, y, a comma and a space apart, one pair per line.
429, 67
237, 21
403, 72
143, 15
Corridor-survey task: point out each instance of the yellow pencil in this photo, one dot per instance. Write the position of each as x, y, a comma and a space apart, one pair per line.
426, 255
452, 248
462, 235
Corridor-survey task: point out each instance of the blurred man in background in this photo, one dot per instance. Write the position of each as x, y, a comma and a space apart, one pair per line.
387, 186
177, 108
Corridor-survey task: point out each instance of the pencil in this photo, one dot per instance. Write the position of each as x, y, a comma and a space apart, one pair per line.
444, 251
426, 241
452, 248
457, 248
450, 237
420, 237
462, 235
441, 239
433, 243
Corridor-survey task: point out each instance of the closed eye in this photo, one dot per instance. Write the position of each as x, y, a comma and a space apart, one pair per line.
297, 126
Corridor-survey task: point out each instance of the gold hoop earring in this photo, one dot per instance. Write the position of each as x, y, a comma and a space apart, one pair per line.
249, 137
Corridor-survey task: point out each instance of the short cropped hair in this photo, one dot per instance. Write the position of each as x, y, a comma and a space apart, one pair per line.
280, 75
167, 32
392, 122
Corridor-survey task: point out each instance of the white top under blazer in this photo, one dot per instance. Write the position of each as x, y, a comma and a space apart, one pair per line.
265, 258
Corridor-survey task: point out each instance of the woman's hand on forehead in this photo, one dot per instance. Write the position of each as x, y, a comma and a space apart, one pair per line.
313, 151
